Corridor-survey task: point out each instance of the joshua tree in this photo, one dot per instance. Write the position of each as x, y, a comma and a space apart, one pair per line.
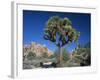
60, 32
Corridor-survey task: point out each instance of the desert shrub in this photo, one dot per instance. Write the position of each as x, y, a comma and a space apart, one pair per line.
45, 55
31, 55
83, 54
52, 56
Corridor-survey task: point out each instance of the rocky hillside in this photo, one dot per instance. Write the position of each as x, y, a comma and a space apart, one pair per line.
36, 48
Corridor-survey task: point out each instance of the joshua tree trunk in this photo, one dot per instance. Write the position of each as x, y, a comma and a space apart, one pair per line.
59, 59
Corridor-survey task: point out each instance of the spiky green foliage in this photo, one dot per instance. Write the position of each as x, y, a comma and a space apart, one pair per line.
60, 31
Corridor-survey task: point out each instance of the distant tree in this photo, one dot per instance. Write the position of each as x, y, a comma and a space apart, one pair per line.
31, 55
60, 32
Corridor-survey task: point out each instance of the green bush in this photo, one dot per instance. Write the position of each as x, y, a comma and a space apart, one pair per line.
31, 55
83, 54
45, 55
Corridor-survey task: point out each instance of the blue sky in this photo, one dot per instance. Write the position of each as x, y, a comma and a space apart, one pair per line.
34, 23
